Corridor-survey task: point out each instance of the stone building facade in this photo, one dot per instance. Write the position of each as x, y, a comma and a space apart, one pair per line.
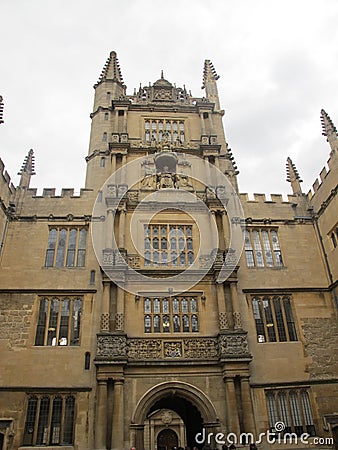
160, 305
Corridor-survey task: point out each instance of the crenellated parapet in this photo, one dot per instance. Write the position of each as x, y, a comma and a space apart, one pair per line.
7, 188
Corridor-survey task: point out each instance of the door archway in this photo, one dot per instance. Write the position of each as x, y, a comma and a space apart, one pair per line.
189, 402
167, 439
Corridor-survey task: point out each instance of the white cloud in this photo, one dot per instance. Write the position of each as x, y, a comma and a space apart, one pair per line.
277, 61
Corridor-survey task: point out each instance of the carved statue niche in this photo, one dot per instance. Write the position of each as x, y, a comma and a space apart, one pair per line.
166, 162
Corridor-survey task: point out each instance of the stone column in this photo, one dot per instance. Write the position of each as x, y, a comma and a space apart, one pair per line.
119, 319
211, 124
123, 169
104, 326
225, 227
101, 416
113, 163
140, 437
248, 416
117, 441
122, 227
124, 129
231, 403
109, 228
235, 306
202, 123
222, 314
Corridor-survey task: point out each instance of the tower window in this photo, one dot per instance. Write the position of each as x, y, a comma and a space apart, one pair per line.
103, 162
121, 112
164, 129
205, 115
104, 137
108, 96
168, 245
171, 315
106, 116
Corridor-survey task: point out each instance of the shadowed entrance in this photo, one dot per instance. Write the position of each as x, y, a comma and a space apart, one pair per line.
187, 411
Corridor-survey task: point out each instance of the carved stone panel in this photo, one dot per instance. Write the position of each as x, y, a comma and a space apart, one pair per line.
144, 348
110, 346
234, 344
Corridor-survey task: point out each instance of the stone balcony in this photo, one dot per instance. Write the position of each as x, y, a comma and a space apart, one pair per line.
118, 347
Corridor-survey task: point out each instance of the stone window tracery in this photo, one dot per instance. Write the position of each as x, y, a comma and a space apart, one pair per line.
59, 321
164, 129
168, 246
49, 420
262, 248
171, 314
293, 408
66, 247
274, 319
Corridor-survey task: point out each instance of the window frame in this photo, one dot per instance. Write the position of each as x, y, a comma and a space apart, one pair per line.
274, 318
46, 424
60, 246
173, 249
262, 248
293, 407
52, 330
171, 314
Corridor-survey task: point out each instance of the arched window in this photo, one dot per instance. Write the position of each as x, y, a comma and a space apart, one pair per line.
177, 324
104, 137
157, 324
60, 255
147, 324
71, 248
194, 323
51, 248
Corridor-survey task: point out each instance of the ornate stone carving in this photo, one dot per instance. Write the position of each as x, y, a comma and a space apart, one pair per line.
110, 346
200, 348
134, 261
119, 322
237, 320
144, 348
172, 349
223, 321
234, 344
167, 418
104, 326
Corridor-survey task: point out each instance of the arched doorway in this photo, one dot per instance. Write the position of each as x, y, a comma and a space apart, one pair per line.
187, 412
187, 401
167, 439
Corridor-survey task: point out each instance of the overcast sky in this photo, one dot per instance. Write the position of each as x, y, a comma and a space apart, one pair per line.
277, 59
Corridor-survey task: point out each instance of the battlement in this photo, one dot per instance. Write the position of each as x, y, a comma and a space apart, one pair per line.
50, 193
323, 176
6, 179
274, 198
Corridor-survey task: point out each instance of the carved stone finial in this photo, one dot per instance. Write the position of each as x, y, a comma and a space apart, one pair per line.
1, 109
209, 73
292, 176
111, 70
329, 130
27, 169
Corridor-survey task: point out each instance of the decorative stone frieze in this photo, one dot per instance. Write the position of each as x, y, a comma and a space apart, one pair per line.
111, 346
233, 344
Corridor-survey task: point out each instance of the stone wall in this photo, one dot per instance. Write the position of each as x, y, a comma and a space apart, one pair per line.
15, 319
321, 336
